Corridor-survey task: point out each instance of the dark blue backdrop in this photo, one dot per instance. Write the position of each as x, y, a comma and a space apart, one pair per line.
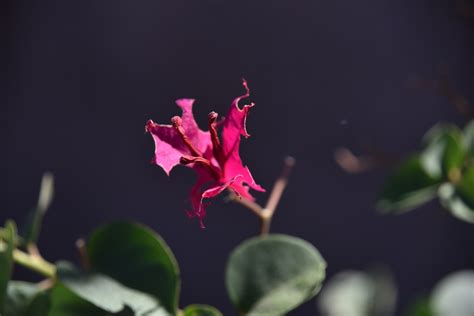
84, 77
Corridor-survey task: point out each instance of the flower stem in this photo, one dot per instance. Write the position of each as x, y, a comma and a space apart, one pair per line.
33, 262
275, 195
266, 213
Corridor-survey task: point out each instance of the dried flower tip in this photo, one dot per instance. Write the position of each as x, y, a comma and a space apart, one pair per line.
176, 121
212, 117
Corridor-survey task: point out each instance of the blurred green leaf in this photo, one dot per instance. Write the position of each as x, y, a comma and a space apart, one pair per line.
348, 293
356, 293
421, 308
65, 303
106, 293
35, 219
469, 137
6, 261
454, 295
408, 187
459, 198
26, 299
201, 310
444, 152
274, 274
137, 257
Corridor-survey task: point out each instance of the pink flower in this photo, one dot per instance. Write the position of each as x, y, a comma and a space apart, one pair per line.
216, 161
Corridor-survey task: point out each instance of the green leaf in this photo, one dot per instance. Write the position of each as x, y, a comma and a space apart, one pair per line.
6, 261
444, 153
106, 293
454, 295
201, 310
274, 274
408, 187
35, 221
357, 293
421, 308
459, 198
137, 257
26, 299
65, 303
469, 137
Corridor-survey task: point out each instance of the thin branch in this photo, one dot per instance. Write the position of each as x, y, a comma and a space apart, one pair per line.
33, 262
275, 195
83, 257
350, 162
266, 214
251, 205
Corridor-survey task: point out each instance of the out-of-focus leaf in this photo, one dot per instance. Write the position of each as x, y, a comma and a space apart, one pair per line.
408, 187
454, 295
6, 261
106, 293
348, 293
274, 274
201, 310
459, 198
469, 137
65, 303
137, 257
444, 153
421, 308
385, 294
26, 299
356, 293
33, 226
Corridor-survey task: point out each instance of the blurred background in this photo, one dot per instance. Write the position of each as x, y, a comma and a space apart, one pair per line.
83, 77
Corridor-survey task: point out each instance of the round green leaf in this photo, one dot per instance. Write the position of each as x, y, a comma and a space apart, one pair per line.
409, 186
459, 198
26, 299
65, 302
106, 293
6, 260
454, 295
357, 293
274, 274
201, 310
137, 257
348, 293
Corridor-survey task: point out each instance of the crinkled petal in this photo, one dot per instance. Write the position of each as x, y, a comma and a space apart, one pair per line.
169, 146
198, 194
242, 184
233, 129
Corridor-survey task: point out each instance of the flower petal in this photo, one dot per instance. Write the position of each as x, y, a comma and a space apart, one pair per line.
198, 194
169, 146
234, 127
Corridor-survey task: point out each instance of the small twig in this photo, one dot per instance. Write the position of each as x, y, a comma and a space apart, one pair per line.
32, 262
45, 284
33, 250
358, 164
275, 195
251, 205
83, 257
266, 214
350, 162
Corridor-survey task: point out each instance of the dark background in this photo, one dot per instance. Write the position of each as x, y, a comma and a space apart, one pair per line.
83, 77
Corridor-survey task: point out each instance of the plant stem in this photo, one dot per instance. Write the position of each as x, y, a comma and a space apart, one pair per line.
275, 196
266, 214
33, 262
